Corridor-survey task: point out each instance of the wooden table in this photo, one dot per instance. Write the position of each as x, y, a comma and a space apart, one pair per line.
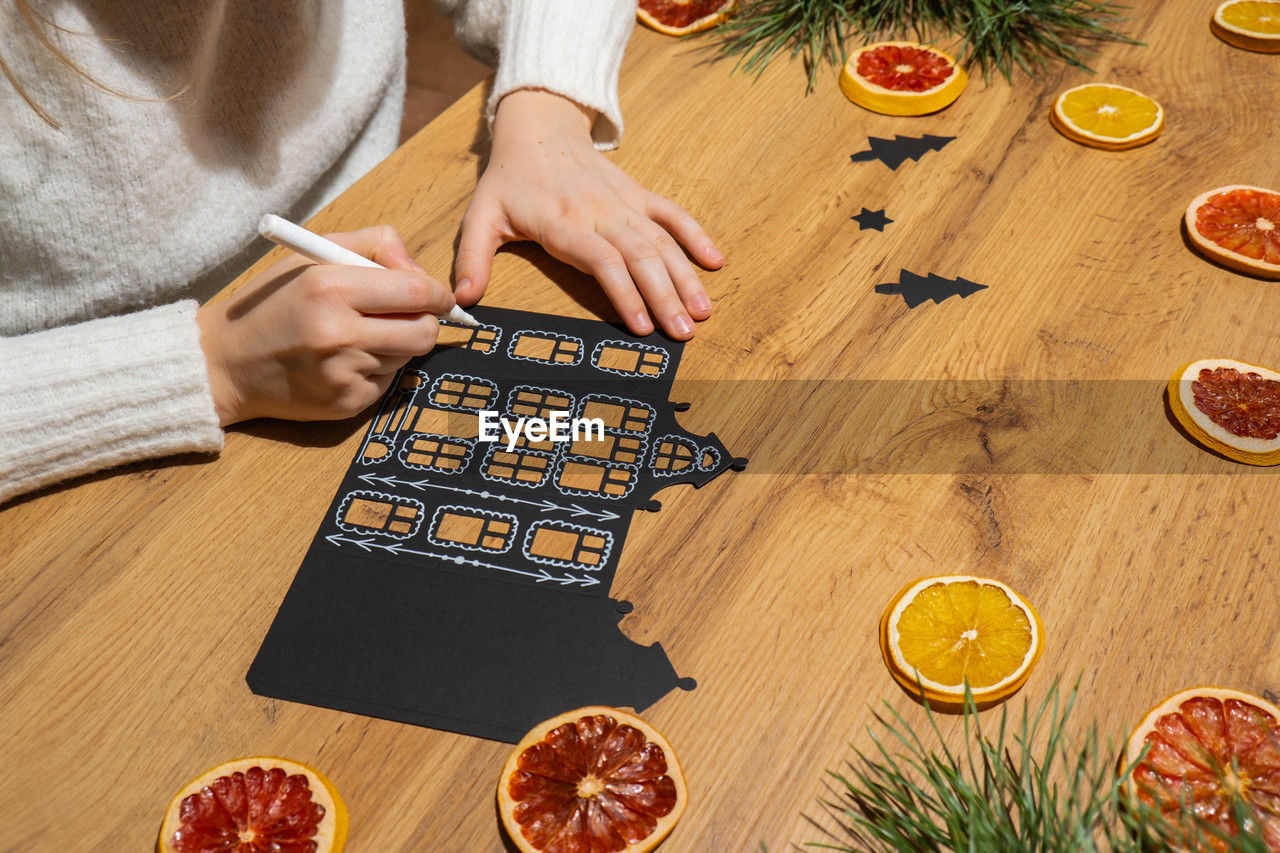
132, 603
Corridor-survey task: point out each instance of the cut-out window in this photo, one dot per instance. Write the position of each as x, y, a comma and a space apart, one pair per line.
437, 452
526, 467
626, 449
672, 455
465, 527
626, 415
375, 450
567, 545
451, 424
546, 347
529, 402
602, 479
630, 359
479, 338
379, 513
463, 392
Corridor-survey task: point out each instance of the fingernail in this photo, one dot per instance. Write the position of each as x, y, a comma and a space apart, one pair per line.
642, 324
714, 255
682, 324
700, 302
463, 284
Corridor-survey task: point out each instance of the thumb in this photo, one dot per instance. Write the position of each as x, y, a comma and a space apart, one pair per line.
477, 244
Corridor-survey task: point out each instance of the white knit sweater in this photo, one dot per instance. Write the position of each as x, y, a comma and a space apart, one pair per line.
112, 226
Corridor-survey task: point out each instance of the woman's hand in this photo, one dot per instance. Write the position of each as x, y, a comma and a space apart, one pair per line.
306, 341
546, 182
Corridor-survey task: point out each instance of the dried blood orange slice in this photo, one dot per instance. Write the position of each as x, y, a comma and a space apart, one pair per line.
1210, 751
595, 780
681, 17
1230, 407
1107, 116
1249, 24
1238, 226
255, 805
901, 78
940, 633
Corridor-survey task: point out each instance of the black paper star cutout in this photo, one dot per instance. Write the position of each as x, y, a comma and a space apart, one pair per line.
871, 219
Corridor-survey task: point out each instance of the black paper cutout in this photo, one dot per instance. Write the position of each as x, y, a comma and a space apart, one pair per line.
894, 152
871, 219
457, 585
916, 289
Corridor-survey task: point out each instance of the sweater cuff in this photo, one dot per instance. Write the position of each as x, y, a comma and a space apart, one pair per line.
571, 48
82, 398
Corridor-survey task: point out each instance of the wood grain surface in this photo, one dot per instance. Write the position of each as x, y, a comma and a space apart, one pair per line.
1019, 433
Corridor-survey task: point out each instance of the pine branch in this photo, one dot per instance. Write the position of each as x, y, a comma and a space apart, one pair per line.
994, 35
1030, 784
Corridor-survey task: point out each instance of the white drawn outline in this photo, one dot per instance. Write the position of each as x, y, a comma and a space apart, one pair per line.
391, 401
715, 458
465, 380
626, 404
598, 463
632, 346
463, 461
394, 500
367, 545
473, 512
502, 448
516, 389
566, 526
515, 339
671, 472
493, 345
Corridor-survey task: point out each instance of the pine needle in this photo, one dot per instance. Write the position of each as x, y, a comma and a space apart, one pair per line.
1031, 784
994, 35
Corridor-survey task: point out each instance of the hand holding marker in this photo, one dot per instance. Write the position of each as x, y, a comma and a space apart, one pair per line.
311, 245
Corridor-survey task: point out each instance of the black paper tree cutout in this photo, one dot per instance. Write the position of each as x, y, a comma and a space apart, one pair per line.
873, 219
457, 584
916, 289
894, 152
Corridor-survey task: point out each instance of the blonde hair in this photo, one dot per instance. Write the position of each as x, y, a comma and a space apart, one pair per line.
37, 23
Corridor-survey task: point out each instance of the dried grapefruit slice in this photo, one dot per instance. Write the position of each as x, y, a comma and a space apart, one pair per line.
1249, 24
1209, 751
1238, 226
1230, 407
1107, 116
939, 633
256, 804
595, 779
901, 78
681, 17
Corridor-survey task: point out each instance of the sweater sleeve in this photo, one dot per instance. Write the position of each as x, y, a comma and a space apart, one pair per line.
77, 399
571, 47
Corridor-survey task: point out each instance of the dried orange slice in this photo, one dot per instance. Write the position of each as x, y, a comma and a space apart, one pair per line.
256, 804
1209, 751
1238, 226
939, 633
1249, 24
901, 78
681, 17
595, 779
1230, 407
1104, 115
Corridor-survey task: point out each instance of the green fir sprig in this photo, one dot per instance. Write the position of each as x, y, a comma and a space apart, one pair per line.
1036, 785
994, 35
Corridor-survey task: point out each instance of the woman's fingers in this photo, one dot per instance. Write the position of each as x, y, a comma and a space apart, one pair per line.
648, 268
371, 291
596, 256
676, 220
